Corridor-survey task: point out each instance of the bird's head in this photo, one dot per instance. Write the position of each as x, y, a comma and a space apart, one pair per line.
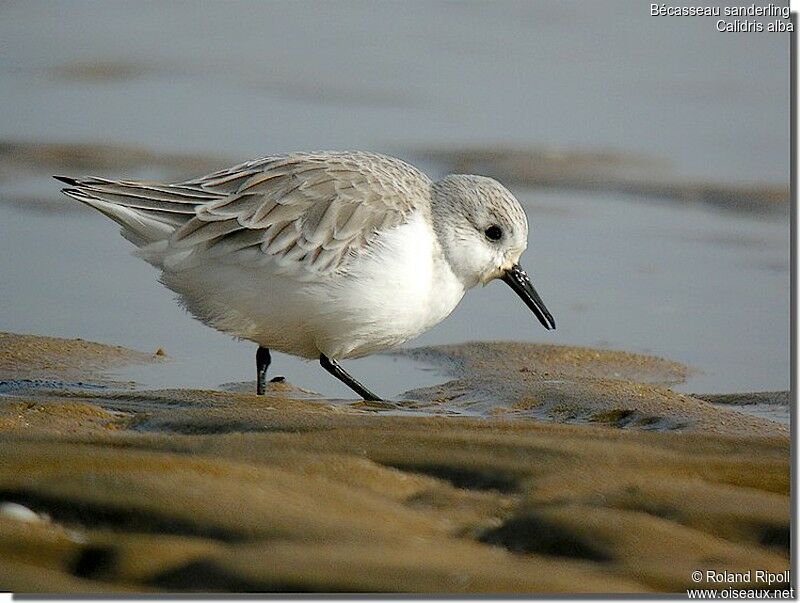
483, 231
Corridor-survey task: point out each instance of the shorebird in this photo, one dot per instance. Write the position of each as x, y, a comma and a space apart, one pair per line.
325, 255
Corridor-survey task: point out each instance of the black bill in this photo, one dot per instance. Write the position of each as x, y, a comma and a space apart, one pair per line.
518, 280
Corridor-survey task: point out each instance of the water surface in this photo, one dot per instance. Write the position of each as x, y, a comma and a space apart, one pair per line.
240, 79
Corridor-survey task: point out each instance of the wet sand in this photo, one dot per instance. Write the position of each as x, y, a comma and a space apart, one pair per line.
192, 490
33, 357
580, 385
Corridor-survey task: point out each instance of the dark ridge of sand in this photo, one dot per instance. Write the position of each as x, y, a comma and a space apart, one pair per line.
48, 156
294, 88
578, 170
775, 406
606, 171
781, 398
101, 71
34, 163
208, 491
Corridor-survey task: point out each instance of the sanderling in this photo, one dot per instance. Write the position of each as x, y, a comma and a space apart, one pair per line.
327, 255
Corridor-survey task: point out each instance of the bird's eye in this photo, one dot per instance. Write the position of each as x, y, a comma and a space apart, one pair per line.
494, 233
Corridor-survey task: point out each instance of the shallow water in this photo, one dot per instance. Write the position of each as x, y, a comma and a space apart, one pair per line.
696, 285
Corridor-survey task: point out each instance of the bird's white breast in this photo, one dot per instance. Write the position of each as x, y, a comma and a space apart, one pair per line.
402, 287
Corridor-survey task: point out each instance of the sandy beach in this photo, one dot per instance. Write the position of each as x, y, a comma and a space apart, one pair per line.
613, 484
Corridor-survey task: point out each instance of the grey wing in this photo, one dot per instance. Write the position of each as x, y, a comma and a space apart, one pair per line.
306, 214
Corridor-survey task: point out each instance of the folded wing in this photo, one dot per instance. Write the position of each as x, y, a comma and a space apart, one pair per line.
306, 214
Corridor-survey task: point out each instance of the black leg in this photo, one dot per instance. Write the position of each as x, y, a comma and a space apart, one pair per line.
262, 364
342, 375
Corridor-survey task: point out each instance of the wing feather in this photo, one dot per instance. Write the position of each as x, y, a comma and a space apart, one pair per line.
238, 241
286, 236
139, 201
208, 231
307, 213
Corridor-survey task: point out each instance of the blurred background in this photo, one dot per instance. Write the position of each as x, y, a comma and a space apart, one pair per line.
651, 155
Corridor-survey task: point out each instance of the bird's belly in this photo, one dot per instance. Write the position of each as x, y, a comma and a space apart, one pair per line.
390, 295
251, 304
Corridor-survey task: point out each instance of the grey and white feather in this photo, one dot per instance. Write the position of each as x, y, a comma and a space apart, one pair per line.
325, 254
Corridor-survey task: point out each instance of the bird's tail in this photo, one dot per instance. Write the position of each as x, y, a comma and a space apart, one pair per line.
147, 211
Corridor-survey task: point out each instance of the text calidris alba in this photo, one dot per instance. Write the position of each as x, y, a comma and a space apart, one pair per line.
326, 255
